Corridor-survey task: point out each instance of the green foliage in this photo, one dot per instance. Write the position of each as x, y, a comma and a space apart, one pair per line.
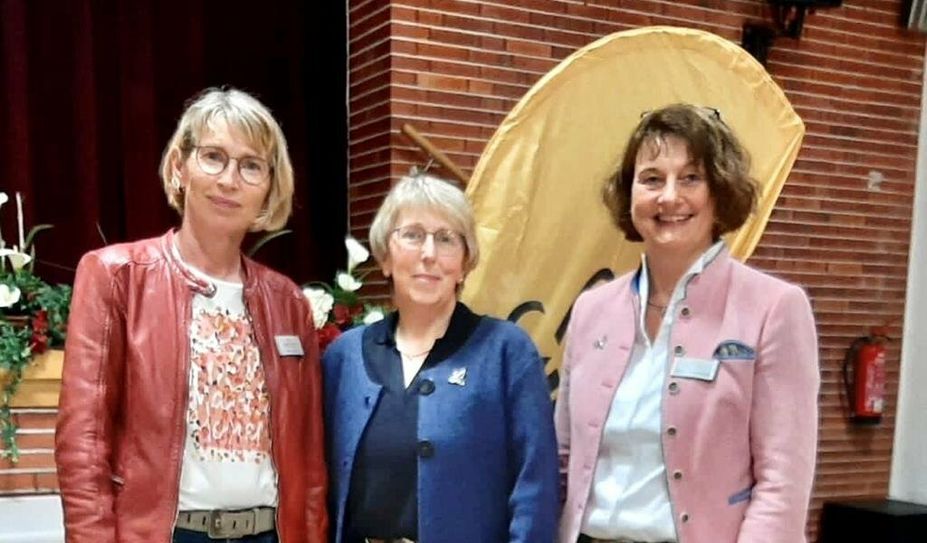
37, 321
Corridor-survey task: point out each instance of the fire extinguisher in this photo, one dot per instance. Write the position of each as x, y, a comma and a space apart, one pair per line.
866, 388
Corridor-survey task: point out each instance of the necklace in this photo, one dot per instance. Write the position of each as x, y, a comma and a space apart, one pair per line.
657, 306
413, 355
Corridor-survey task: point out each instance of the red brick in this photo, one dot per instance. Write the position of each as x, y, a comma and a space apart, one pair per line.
431, 81
13, 482
29, 460
522, 47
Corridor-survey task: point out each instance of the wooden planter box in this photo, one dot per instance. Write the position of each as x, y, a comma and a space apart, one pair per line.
41, 382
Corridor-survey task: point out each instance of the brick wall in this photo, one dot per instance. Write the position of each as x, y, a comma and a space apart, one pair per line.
454, 69
35, 471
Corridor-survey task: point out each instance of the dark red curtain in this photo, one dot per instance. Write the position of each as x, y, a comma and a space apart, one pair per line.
90, 91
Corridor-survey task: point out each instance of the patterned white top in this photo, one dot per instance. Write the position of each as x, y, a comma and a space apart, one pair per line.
227, 457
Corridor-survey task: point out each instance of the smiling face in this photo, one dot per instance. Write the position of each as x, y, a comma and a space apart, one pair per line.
221, 203
671, 203
427, 275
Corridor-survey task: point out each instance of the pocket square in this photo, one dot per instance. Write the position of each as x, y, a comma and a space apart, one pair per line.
733, 349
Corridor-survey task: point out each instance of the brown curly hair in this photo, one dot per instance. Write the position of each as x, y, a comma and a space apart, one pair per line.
711, 143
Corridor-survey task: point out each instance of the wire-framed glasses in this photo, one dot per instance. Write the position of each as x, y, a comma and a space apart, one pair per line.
447, 242
214, 160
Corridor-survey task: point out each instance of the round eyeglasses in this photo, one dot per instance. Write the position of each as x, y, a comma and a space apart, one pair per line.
447, 242
214, 160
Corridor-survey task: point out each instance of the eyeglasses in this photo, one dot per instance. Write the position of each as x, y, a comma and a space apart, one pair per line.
214, 160
446, 242
708, 110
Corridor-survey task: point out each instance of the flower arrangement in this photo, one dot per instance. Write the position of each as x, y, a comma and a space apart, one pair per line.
336, 308
33, 318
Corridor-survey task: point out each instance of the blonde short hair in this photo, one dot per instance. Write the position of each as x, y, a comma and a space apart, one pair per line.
428, 192
246, 114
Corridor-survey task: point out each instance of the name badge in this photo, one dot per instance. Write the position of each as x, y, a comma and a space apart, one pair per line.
696, 368
288, 346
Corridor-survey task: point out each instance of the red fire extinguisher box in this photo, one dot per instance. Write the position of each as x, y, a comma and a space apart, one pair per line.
875, 521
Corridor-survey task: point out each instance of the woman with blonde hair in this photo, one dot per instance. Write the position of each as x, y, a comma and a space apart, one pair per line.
191, 404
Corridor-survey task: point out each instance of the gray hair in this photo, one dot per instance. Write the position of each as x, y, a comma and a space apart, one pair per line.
245, 113
428, 192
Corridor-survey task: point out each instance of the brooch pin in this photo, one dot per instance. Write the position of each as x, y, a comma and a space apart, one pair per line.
600, 343
458, 377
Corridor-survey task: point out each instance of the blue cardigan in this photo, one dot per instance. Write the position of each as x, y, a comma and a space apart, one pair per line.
493, 474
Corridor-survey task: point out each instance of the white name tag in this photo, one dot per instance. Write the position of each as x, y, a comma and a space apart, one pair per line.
288, 346
695, 368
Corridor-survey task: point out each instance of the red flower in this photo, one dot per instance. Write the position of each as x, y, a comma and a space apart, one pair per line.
341, 314
40, 332
327, 334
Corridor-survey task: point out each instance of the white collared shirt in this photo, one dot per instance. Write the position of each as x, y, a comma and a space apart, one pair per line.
629, 496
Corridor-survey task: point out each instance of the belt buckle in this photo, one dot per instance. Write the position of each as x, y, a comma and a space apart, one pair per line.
231, 525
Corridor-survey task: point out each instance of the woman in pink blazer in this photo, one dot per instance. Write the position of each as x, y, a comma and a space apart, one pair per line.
687, 409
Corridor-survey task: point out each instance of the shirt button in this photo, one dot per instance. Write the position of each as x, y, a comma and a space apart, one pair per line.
677, 475
679, 350
674, 388
671, 431
426, 449
686, 311
684, 517
426, 387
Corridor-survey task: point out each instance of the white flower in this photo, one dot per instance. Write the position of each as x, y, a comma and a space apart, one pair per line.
321, 302
373, 316
3, 199
17, 259
8, 296
347, 282
356, 253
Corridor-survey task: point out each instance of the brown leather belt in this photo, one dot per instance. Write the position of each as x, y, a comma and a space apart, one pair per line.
228, 524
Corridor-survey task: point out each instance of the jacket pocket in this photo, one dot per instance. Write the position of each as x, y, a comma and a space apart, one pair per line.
734, 351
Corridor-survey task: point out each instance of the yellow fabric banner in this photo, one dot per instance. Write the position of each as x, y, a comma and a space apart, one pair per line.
542, 227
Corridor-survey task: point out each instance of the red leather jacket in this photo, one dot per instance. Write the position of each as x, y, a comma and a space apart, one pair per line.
121, 420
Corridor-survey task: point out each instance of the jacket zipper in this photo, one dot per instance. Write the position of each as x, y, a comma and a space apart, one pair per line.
259, 337
188, 314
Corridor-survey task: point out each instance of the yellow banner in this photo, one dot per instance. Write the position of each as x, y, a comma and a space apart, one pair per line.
543, 230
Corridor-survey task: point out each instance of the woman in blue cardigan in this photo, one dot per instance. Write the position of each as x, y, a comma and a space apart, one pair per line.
439, 421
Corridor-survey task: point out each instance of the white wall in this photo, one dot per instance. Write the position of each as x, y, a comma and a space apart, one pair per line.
31, 519
909, 458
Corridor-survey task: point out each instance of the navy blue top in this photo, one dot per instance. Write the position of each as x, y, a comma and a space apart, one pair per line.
487, 455
383, 498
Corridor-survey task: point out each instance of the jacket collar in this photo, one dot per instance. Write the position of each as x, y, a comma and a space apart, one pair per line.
718, 251
463, 322
168, 246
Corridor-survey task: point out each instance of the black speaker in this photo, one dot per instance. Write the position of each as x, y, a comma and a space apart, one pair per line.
878, 521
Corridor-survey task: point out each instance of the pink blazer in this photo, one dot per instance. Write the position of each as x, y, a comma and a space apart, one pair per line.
740, 449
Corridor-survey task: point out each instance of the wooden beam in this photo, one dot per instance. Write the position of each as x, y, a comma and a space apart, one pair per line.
434, 152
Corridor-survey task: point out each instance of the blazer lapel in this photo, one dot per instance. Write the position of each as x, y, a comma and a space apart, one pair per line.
607, 350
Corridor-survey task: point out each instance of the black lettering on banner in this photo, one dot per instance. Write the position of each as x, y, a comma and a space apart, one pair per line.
535, 306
